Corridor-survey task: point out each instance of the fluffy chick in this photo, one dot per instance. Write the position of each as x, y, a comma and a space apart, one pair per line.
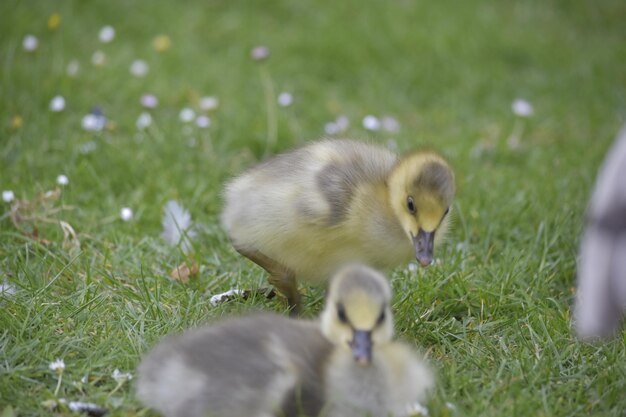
601, 296
344, 365
306, 212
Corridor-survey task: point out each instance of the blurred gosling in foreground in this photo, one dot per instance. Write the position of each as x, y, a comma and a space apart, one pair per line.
601, 295
306, 212
344, 365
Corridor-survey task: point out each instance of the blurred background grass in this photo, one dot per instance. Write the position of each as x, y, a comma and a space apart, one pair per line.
494, 317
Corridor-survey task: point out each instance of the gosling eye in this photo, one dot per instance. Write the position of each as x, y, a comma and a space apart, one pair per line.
381, 318
410, 204
341, 314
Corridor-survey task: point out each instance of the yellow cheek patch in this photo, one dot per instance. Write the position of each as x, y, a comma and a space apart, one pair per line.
429, 213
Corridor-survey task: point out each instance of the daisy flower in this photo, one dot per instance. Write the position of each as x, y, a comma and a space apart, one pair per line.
126, 214
107, 34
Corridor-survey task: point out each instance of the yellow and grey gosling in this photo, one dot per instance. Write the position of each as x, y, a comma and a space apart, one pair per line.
304, 213
343, 365
601, 295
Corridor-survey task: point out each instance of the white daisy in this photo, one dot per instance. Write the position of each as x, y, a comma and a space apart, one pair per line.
144, 120
260, 53
93, 122
57, 365
331, 128
126, 214
120, 377
343, 123
62, 180
30, 43
187, 115
139, 68
371, 123
522, 108
285, 99
209, 103
149, 101
98, 58
8, 196
203, 122
107, 34
72, 68
390, 124
57, 104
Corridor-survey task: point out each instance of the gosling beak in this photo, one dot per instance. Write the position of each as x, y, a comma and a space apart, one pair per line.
362, 347
423, 243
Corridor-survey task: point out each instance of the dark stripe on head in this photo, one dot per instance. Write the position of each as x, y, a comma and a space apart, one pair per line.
436, 178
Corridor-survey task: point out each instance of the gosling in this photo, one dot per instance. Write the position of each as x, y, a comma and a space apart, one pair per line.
343, 365
306, 212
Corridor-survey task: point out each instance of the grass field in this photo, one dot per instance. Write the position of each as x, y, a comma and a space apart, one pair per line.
493, 316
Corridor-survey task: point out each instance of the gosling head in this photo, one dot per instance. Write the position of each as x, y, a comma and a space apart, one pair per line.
421, 190
357, 315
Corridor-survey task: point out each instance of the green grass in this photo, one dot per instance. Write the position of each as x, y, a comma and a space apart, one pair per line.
494, 317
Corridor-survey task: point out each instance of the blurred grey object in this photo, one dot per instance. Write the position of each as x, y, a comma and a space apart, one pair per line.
601, 295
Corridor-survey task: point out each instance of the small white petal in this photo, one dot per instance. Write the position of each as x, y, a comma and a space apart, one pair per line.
119, 376
8, 196
57, 365
203, 122
126, 214
412, 267
107, 34
139, 68
98, 58
331, 128
390, 124
72, 68
522, 108
144, 120
62, 180
209, 103
30, 43
93, 122
371, 123
149, 101
343, 123
285, 99
57, 104
187, 115
260, 53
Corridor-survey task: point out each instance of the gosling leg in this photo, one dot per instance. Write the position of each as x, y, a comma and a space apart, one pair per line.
280, 277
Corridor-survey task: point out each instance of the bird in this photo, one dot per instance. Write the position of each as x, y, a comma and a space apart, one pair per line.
343, 364
304, 213
601, 293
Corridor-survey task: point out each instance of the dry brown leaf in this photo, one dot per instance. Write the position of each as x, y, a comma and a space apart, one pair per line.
183, 272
